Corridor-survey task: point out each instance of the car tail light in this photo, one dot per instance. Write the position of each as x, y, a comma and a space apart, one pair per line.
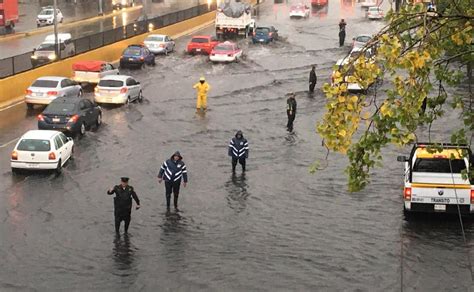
162, 45
141, 58
52, 156
472, 196
40, 117
29, 92
52, 93
270, 34
254, 33
124, 90
74, 119
407, 194
96, 89
15, 157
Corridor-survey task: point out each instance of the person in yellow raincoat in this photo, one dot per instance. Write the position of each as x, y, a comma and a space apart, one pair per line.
202, 87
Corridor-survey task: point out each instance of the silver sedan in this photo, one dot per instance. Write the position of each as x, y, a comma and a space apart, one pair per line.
159, 44
48, 88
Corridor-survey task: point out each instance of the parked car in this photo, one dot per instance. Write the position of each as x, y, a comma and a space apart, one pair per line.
39, 149
360, 41
353, 55
137, 56
46, 52
368, 3
201, 44
46, 16
118, 89
70, 115
159, 44
46, 89
299, 10
434, 181
225, 52
92, 71
265, 34
375, 13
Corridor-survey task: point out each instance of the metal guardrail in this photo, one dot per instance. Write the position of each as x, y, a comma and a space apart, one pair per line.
21, 63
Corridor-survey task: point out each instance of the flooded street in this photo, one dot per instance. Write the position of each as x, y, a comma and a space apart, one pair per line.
276, 228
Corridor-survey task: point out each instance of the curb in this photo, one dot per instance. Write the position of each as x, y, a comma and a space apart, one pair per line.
65, 25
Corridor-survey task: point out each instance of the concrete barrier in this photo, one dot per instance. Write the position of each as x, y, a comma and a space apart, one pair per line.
12, 89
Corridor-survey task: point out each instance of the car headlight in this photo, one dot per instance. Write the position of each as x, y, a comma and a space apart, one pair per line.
34, 57
52, 56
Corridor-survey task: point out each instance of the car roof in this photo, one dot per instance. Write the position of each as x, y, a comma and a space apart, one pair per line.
157, 35
52, 78
66, 100
136, 46
116, 77
363, 35
39, 134
226, 43
202, 36
61, 37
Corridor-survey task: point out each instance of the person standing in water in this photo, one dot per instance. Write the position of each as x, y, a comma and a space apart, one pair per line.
124, 193
202, 88
238, 150
291, 111
313, 79
172, 171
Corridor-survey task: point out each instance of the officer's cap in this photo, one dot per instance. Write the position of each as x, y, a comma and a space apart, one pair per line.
124, 179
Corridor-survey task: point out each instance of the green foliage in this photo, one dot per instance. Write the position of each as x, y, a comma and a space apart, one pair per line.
419, 54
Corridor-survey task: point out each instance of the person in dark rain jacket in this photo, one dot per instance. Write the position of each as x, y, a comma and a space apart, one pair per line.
172, 171
342, 32
291, 111
312, 79
239, 150
124, 194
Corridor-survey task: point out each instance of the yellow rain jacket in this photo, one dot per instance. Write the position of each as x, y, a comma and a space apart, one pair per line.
202, 90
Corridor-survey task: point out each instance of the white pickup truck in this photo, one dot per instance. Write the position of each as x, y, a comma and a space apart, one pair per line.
92, 71
434, 179
234, 19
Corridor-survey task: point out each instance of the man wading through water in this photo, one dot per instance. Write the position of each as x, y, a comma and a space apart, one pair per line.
291, 111
239, 150
172, 171
342, 32
123, 203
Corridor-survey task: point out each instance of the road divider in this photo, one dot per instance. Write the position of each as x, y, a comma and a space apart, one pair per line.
12, 89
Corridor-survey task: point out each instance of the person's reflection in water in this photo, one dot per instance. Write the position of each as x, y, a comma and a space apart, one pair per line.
237, 196
174, 240
123, 254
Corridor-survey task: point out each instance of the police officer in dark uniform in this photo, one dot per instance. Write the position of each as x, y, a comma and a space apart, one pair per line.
291, 111
239, 150
123, 203
342, 32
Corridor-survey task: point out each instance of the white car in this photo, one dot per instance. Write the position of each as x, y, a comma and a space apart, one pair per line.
353, 55
159, 44
40, 149
375, 13
118, 89
360, 41
48, 88
368, 3
46, 16
434, 180
225, 52
299, 10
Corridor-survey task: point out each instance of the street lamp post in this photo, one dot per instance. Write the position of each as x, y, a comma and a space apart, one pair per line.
55, 22
101, 12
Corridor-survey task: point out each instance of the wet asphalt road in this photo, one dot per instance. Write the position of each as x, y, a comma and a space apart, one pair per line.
12, 47
278, 228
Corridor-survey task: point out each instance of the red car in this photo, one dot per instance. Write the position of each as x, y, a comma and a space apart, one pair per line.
202, 44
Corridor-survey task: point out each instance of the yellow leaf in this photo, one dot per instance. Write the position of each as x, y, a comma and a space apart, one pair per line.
342, 133
354, 98
341, 98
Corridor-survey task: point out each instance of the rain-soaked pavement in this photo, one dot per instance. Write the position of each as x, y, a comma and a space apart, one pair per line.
276, 228
12, 47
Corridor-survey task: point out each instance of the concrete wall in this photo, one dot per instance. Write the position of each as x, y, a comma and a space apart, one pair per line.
12, 89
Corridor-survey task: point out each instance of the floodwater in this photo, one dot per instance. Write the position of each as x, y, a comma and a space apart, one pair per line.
276, 228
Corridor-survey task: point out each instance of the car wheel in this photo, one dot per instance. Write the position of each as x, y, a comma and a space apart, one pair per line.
80, 93
140, 97
14, 170
82, 129
98, 122
128, 101
143, 65
59, 168
29, 106
38, 25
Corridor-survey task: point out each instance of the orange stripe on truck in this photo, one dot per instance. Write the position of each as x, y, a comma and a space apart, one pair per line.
450, 186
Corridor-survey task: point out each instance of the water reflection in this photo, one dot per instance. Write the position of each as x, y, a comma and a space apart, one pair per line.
237, 189
174, 241
123, 254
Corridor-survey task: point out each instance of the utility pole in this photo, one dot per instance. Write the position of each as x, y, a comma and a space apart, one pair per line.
55, 22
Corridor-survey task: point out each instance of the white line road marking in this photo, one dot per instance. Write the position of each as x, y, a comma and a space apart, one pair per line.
8, 143
12, 105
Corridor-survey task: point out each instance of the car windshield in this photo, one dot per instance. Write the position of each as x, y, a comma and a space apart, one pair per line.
155, 39
45, 83
133, 52
363, 39
223, 48
297, 7
47, 12
34, 145
45, 47
263, 29
200, 40
374, 9
59, 108
110, 83
438, 165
